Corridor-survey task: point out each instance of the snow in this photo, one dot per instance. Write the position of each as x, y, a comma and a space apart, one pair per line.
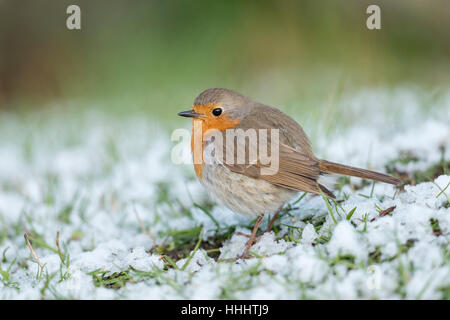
309, 234
345, 240
98, 180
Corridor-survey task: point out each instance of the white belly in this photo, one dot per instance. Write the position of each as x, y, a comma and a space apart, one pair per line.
243, 194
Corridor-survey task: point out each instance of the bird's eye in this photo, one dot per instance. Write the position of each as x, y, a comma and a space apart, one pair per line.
217, 112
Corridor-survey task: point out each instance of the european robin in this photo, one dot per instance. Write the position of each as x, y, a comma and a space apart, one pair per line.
241, 185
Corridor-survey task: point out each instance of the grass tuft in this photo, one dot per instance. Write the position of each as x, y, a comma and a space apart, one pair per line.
113, 280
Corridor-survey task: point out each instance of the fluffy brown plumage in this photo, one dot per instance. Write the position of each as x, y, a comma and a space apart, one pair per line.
242, 187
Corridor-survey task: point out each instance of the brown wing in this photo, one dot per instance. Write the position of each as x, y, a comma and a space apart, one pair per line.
295, 169
298, 168
291, 133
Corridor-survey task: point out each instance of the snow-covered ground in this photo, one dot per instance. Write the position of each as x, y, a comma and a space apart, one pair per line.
107, 185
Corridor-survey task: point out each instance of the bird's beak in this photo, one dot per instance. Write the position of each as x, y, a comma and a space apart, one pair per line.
189, 114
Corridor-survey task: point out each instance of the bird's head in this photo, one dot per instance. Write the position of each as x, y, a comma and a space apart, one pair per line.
219, 109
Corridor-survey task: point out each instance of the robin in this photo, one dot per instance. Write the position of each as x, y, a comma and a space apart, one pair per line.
241, 186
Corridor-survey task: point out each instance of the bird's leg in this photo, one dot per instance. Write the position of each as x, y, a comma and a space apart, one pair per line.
250, 241
269, 226
272, 221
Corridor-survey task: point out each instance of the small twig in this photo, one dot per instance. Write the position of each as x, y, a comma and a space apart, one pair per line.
387, 211
164, 241
148, 233
32, 251
141, 225
384, 212
155, 246
27, 231
61, 256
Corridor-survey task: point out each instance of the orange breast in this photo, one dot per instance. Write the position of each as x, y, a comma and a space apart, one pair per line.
197, 166
208, 122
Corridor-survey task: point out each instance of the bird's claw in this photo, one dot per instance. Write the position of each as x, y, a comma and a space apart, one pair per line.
249, 235
244, 256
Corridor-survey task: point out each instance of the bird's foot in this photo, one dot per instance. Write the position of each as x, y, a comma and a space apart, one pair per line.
249, 235
269, 228
244, 256
253, 237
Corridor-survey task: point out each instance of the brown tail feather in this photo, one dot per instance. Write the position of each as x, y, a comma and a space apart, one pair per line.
331, 167
327, 192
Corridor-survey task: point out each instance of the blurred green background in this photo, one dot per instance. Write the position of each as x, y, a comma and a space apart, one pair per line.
158, 55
